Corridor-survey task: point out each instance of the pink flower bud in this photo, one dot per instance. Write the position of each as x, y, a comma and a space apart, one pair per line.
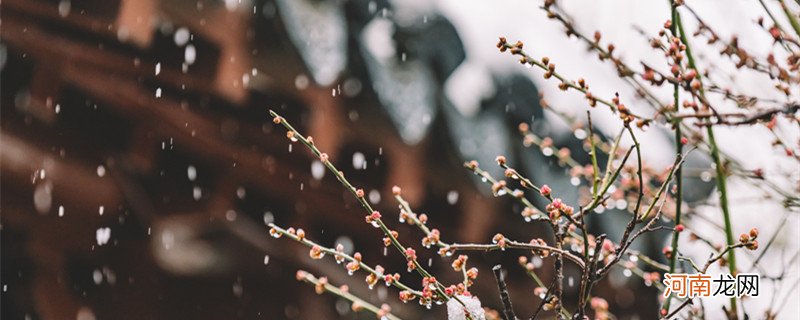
545, 190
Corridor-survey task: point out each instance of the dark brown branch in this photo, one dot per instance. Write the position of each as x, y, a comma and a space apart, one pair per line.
508, 309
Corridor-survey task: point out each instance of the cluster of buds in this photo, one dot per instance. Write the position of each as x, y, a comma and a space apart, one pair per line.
472, 274
651, 277
372, 278
551, 68
557, 207
411, 257
529, 266
391, 278
354, 265
446, 251
316, 252
675, 49
384, 311
405, 217
503, 45
460, 262
429, 285
406, 296
551, 304
687, 104
500, 241
529, 213
431, 239
429, 282
339, 253
373, 218
387, 241
319, 288
540, 252
624, 112
459, 289
498, 186
450, 291
749, 239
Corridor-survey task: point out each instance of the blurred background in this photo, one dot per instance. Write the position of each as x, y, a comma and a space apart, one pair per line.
140, 166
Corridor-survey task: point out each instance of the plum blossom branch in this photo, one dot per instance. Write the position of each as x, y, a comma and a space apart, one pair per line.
373, 216
321, 286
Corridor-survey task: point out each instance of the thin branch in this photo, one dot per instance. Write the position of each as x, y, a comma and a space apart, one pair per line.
322, 285
508, 309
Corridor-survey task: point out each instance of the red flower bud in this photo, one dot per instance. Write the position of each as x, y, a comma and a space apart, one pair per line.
545, 190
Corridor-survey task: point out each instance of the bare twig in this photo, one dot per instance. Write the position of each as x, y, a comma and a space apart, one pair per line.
508, 309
